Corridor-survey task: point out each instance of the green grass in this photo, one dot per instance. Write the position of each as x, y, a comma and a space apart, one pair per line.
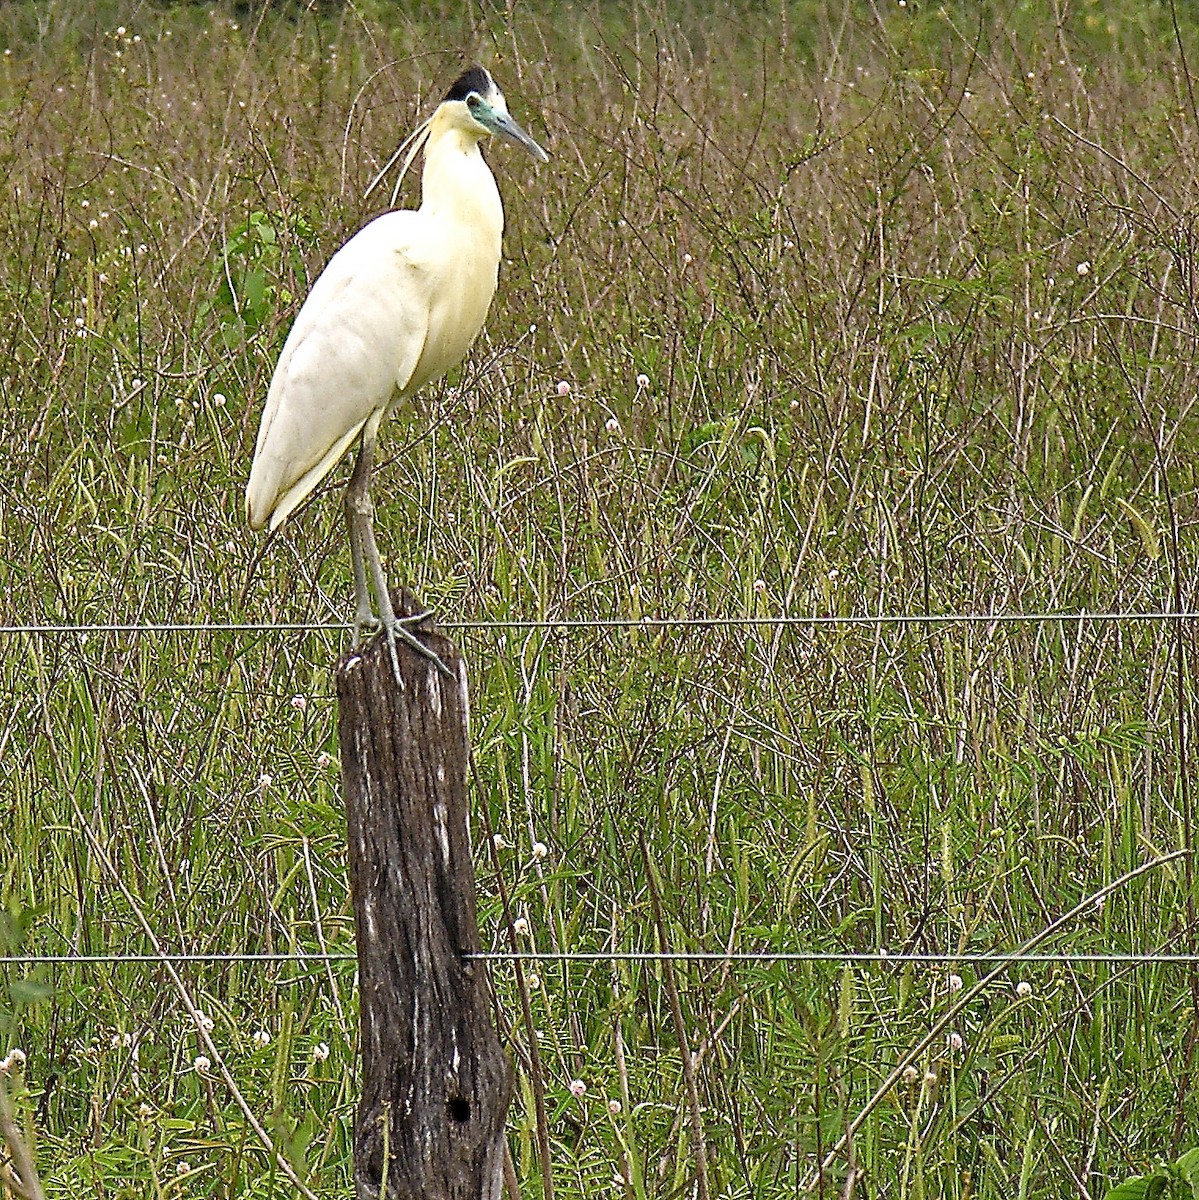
914, 292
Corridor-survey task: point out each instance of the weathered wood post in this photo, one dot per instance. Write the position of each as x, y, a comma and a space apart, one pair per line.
435, 1082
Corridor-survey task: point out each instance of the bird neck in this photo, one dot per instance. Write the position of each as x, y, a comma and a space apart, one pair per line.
456, 183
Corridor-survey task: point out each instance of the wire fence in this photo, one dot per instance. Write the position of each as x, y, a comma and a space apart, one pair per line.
989, 966
863, 958
566, 624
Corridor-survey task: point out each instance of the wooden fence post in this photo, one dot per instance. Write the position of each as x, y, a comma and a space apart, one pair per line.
435, 1082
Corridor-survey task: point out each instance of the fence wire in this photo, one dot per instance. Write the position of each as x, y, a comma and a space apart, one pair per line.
864, 958
566, 624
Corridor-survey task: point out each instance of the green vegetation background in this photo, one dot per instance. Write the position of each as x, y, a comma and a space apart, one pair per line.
913, 290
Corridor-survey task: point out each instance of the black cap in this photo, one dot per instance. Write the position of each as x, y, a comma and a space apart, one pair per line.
474, 80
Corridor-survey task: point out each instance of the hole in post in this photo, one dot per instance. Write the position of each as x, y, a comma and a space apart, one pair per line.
459, 1110
374, 1171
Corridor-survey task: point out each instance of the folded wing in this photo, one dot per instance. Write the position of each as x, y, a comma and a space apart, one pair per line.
355, 343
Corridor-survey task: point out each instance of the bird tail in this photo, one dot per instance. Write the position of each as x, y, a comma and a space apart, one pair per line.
271, 497
261, 494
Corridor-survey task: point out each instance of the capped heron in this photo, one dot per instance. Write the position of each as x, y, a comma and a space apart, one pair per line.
397, 306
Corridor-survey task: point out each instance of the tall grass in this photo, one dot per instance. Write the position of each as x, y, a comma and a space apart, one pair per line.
913, 294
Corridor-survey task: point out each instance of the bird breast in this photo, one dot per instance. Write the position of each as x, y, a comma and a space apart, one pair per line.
461, 262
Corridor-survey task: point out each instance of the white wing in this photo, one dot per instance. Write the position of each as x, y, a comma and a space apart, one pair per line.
356, 340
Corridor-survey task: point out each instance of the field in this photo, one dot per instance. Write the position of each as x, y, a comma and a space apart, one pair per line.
857, 344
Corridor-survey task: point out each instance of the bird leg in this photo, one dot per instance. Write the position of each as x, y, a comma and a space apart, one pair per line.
364, 553
365, 620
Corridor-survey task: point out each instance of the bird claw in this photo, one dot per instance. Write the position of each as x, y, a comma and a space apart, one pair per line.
398, 629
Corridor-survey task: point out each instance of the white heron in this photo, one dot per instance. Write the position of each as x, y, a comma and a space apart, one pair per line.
397, 306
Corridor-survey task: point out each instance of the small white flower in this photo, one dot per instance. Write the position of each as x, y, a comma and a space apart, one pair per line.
299, 703
520, 926
320, 1052
264, 781
16, 1056
687, 260
760, 586
202, 1064
534, 982
955, 983
955, 1040
910, 1074
563, 387
643, 381
578, 1089
497, 840
204, 1022
323, 759
930, 1078
612, 425
794, 405
182, 1168
261, 1038
1023, 989
144, 1111
218, 398
1083, 268
540, 850
614, 1107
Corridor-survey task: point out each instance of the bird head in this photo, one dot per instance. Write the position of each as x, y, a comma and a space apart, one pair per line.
477, 103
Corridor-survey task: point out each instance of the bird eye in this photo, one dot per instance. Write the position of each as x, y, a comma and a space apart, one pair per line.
472, 101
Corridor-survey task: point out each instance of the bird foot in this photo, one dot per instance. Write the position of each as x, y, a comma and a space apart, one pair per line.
399, 629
